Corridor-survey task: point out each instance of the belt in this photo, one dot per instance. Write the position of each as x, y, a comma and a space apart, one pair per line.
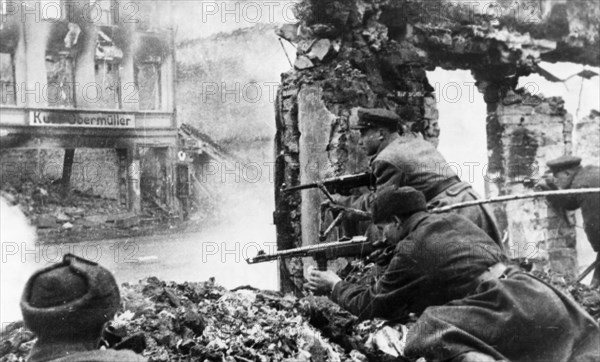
440, 187
496, 271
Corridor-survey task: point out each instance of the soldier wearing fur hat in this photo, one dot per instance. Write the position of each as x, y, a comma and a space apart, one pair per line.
66, 306
569, 174
472, 306
409, 160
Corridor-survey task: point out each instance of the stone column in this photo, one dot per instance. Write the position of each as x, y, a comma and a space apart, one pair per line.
133, 181
287, 173
67, 170
524, 132
314, 123
122, 176
171, 156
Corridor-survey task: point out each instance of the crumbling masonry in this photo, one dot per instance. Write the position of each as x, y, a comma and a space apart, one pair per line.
374, 53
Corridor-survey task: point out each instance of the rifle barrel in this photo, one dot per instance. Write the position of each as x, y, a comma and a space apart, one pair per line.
299, 187
307, 250
515, 197
356, 180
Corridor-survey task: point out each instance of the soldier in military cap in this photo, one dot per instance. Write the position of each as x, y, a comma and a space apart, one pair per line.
472, 306
66, 306
567, 173
404, 158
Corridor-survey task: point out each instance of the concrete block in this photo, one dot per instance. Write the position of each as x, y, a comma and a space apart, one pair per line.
96, 219
127, 222
45, 222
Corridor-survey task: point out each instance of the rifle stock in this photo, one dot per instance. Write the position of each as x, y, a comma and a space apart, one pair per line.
357, 246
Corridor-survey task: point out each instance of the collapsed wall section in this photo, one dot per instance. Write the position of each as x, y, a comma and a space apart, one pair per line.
373, 53
524, 132
337, 70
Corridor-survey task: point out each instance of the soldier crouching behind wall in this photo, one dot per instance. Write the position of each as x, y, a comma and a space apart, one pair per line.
66, 306
473, 307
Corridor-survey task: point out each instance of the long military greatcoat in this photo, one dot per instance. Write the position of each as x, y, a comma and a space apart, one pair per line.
433, 273
412, 161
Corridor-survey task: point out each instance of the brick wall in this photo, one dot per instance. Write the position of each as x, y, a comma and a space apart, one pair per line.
529, 131
94, 170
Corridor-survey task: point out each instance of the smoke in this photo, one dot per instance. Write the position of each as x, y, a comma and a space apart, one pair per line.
16, 235
245, 224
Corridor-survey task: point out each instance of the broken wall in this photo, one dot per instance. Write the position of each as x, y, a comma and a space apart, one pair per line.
337, 71
374, 54
526, 131
95, 171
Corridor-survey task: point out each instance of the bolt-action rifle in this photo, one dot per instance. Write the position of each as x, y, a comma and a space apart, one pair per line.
336, 185
528, 182
358, 246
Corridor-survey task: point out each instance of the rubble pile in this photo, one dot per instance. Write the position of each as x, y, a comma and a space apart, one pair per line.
76, 215
344, 47
205, 322
584, 295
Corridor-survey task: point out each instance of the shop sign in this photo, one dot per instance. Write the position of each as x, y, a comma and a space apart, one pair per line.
86, 120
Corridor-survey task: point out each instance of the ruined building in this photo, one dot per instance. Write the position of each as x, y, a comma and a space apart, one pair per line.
90, 81
375, 53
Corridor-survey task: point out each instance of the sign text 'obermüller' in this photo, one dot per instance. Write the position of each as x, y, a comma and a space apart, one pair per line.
74, 119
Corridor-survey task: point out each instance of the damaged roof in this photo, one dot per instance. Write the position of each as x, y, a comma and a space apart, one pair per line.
197, 142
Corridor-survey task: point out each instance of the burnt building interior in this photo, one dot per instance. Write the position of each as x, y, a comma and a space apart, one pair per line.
375, 54
84, 91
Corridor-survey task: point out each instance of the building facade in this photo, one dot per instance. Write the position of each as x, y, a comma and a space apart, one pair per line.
93, 74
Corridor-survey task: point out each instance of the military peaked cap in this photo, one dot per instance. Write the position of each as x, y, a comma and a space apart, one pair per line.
563, 163
376, 117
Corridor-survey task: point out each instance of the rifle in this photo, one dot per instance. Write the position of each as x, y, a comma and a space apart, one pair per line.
528, 182
336, 184
505, 198
357, 246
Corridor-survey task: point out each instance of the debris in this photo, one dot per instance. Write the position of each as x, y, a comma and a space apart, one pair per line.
320, 49
302, 62
127, 221
67, 226
74, 212
203, 321
97, 219
45, 222
388, 340
60, 216
288, 32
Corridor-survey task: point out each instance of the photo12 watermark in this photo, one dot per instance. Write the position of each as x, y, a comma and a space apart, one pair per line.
99, 12
117, 252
